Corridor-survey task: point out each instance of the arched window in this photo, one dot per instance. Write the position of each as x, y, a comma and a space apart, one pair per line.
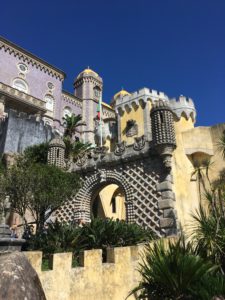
20, 85
67, 111
97, 92
113, 202
49, 102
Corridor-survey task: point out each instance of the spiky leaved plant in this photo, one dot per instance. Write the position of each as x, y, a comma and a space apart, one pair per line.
174, 272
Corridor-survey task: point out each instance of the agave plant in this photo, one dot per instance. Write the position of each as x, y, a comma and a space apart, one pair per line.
173, 271
208, 226
105, 233
221, 145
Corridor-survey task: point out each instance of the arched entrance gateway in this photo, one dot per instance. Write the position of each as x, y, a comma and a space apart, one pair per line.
142, 174
99, 181
144, 185
109, 202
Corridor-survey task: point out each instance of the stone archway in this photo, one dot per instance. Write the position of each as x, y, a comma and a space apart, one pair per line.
109, 202
101, 178
146, 185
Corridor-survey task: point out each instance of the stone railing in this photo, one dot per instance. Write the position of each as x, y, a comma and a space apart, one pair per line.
11, 92
93, 280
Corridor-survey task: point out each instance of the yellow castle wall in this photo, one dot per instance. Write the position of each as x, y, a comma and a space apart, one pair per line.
94, 280
200, 142
136, 114
106, 195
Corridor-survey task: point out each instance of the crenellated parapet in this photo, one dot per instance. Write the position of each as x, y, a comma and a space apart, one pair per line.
140, 97
93, 279
183, 106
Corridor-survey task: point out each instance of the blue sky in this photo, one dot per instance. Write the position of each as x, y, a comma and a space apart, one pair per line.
174, 46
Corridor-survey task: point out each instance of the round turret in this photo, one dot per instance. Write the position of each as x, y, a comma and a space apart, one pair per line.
88, 72
163, 132
120, 94
56, 152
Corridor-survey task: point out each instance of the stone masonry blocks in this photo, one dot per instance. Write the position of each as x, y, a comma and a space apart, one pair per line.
166, 203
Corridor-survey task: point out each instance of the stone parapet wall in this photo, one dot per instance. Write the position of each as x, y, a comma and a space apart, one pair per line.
94, 280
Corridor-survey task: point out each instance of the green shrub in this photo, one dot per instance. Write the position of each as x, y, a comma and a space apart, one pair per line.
174, 271
98, 234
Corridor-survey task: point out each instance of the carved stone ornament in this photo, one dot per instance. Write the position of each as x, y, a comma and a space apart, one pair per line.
120, 148
167, 161
101, 150
102, 175
81, 160
131, 128
139, 143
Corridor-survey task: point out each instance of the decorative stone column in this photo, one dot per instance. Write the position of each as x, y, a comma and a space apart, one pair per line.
164, 142
163, 132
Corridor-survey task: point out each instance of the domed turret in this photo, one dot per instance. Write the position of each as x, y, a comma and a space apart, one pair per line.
120, 94
87, 72
163, 132
56, 152
88, 84
88, 87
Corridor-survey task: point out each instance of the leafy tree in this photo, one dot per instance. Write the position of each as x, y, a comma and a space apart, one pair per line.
173, 271
37, 153
74, 148
39, 188
71, 124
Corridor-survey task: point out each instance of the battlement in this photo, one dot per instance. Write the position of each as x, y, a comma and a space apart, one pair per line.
142, 95
183, 106
93, 279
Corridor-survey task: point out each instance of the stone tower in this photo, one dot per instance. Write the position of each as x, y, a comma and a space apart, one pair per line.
163, 131
88, 87
56, 153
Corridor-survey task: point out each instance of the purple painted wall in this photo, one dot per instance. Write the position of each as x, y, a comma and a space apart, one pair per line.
37, 79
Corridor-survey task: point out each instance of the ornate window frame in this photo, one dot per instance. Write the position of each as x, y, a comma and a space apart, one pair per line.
69, 109
19, 81
49, 107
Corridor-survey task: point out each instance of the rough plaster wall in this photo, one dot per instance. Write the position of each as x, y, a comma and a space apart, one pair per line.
94, 280
106, 195
217, 132
17, 133
192, 139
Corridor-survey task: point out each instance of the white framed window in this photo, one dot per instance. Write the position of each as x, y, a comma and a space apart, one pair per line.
67, 111
49, 102
50, 85
97, 92
20, 85
22, 67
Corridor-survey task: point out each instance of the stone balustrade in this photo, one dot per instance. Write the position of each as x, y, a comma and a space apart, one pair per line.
11, 92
